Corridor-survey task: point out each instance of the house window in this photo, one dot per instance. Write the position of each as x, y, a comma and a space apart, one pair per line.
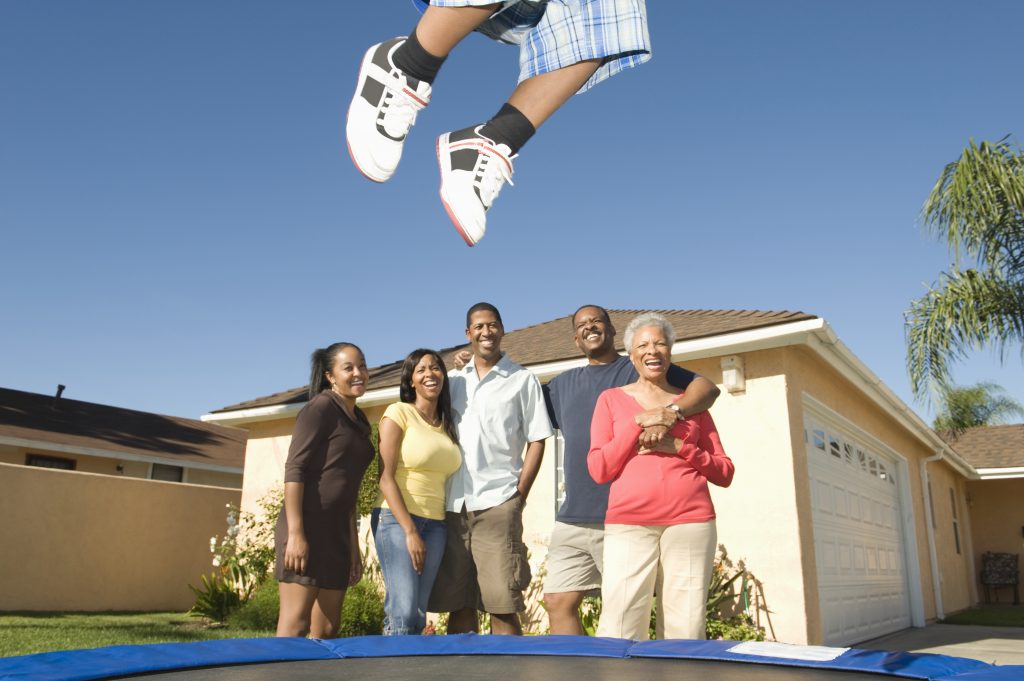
43, 461
956, 520
167, 473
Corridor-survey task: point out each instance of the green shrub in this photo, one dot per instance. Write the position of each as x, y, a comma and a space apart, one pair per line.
739, 628
218, 595
260, 612
361, 615
363, 611
370, 485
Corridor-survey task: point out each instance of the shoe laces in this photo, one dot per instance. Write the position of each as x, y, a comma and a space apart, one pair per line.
494, 169
399, 109
401, 101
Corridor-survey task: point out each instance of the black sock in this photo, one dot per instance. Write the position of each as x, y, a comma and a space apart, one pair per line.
413, 60
509, 126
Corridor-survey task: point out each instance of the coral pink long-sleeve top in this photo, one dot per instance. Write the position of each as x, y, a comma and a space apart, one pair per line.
657, 488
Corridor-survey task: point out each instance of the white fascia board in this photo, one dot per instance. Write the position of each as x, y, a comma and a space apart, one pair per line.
280, 411
45, 447
241, 416
1001, 473
828, 346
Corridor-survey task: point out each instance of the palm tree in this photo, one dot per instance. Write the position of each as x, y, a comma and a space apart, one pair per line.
977, 207
982, 404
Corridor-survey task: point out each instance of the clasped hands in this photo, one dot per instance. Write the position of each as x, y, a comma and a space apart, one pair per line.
656, 423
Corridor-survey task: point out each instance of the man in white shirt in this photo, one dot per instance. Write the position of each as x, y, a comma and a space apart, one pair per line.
500, 412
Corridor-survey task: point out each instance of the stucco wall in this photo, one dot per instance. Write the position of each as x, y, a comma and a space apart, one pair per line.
757, 515
765, 517
81, 541
997, 522
955, 562
267, 450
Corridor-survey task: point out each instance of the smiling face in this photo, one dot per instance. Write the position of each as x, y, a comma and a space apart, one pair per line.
428, 378
484, 335
348, 374
594, 334
651, 352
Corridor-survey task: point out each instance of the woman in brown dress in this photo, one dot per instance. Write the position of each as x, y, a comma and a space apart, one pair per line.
317, 548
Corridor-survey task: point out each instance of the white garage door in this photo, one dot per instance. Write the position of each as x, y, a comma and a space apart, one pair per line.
858, 543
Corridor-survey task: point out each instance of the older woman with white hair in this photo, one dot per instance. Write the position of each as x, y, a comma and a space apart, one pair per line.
660, 526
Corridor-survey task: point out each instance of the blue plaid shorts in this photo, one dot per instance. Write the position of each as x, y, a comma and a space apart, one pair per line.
553, 34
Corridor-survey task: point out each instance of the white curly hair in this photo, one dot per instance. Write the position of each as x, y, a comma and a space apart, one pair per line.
648, 319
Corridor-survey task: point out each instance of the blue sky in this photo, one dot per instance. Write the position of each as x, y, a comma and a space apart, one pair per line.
181, 224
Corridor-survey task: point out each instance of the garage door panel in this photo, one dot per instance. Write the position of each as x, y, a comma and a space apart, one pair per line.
857, 534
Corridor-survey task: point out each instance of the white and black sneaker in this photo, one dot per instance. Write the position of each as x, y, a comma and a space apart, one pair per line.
383, 110
473, 170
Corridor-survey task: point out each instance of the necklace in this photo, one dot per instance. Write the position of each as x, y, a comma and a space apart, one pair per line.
435, 421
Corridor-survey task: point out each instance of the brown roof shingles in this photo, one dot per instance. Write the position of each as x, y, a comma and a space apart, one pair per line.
44, 418
552, 341
991, 446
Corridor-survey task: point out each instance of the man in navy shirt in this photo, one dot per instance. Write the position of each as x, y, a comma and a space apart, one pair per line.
574, 561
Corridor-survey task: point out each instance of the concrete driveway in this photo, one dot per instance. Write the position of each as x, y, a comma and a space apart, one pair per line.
995, 645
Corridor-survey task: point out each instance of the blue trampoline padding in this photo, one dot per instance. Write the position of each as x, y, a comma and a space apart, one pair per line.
906, 665
1013, 672
102, 663
474, 644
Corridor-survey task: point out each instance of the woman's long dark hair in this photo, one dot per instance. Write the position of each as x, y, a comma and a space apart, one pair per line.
321, 362
407, 394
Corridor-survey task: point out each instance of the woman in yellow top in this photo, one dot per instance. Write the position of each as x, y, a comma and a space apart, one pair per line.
419, 451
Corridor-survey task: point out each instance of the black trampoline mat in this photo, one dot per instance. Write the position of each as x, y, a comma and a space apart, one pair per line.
507, 668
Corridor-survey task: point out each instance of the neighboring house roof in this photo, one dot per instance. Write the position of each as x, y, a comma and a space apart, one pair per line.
991, 447
34, 420
552, 341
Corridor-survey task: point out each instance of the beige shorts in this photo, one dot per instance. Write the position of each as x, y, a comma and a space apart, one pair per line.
575, 558
485, 564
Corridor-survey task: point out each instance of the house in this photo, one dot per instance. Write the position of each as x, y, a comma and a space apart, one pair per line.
107, 508
831, 507
56, 432
994, 500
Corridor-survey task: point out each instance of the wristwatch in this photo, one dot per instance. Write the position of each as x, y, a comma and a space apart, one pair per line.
675, 407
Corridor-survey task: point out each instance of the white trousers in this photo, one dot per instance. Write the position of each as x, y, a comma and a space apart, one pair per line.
675, 559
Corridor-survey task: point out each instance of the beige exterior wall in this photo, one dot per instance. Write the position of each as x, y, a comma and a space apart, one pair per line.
948, 487
765, 517
996, 513
757, 515
84, 542
267, 450
130, 469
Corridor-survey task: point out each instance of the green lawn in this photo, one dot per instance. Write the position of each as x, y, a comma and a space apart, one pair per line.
26, 633
990, 616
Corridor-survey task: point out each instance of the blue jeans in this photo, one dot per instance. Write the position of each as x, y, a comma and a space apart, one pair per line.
405, 592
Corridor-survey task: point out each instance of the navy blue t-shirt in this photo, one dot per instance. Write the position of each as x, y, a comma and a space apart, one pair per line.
571, 398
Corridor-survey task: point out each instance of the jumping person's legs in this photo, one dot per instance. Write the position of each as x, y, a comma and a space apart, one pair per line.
394, 84
476, 161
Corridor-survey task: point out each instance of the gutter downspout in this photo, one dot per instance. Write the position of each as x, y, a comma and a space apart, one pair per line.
940, 612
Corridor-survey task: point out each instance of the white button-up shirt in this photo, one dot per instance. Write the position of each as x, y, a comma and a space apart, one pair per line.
497, 416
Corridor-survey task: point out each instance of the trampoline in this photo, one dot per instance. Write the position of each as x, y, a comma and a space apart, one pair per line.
468, 657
